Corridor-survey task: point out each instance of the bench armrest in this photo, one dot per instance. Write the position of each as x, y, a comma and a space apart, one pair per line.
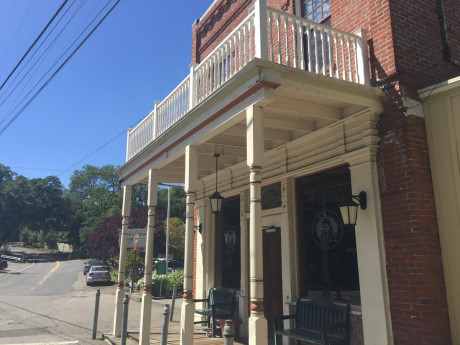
276, 320
200, 300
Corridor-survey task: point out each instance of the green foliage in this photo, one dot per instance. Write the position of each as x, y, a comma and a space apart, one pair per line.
130, 259
177, 237
167, 282
177, 202
98, 195
175, 278
35, 204
28, 236
41, 210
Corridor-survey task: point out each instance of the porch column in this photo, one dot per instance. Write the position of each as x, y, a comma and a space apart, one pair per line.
146, 306
258, 331
120, 292
188, 309
373, 282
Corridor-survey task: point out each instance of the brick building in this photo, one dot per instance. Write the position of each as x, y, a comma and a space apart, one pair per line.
290, 109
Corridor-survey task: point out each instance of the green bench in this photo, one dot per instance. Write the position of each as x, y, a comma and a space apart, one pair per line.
317, 322
220, 304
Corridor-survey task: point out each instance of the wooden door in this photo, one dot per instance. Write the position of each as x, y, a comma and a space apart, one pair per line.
273, 292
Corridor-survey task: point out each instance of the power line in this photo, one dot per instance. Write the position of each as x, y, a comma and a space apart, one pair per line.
17, 31
33, 44
58, 70
100, 148
39, 58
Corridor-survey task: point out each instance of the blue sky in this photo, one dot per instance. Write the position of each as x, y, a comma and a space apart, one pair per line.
138, 55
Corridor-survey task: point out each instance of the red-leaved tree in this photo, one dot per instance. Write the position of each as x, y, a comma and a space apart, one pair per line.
103, 242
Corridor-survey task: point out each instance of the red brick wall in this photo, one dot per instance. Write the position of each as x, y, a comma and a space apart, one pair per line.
452, 13
414, 265
406, 52
221, 19
410, 43
351, 15
418, 44
405, 46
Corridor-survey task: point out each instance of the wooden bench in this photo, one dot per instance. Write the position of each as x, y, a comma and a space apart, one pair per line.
317, 322
220, 304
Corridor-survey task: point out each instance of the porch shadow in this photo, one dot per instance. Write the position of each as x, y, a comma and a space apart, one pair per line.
200, 337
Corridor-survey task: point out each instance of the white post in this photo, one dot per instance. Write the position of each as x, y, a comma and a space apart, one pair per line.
362, 57
155, 119
260, 25
146, 306
120, 293
375, 305
258, 331
193, 88
188, 309
128, 144
168, 216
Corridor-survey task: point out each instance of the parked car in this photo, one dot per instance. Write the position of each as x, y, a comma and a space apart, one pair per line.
98, 274
3, 264
90, 263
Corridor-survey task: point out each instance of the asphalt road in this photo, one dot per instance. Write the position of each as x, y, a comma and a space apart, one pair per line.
49, 303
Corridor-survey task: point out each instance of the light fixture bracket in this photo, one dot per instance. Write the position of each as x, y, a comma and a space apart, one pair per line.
198, 227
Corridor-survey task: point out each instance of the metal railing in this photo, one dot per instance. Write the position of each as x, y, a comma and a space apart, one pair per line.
268, 34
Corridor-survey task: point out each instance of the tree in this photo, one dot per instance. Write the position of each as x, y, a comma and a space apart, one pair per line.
103, 242
177, 237
98, 195
7, 223
177, 202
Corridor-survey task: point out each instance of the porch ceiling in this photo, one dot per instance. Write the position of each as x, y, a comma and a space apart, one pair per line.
303, 103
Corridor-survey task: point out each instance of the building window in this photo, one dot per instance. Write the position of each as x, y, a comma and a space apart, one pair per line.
328, 265
228, 239
271, 196
316, 10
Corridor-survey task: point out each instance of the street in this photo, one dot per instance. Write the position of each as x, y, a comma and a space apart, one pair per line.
49, 303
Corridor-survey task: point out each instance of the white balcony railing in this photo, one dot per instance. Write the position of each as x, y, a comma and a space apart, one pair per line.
268, 34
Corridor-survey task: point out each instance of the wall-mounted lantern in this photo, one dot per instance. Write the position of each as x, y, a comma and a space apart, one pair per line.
216, 199
349, 209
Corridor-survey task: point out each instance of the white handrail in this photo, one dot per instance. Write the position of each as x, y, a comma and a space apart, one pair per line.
266, 33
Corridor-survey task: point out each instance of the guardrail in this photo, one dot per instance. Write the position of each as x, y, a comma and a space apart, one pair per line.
268, 34
12, 258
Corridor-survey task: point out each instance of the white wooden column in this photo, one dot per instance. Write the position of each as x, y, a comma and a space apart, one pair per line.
370, 249
200, 279
188, 308
258, 332
244, 250
260, 26
146, 306
119, 294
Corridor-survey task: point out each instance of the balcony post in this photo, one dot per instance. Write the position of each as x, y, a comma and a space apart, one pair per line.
193, 89
188, 308
260, 23
362, 57
257, 325
155, 119
119, 294
128, 144
146, 305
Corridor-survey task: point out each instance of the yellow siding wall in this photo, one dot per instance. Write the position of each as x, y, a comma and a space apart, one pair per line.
442, 112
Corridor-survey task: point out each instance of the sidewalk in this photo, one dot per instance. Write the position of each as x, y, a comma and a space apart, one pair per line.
200, 334
200, 337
